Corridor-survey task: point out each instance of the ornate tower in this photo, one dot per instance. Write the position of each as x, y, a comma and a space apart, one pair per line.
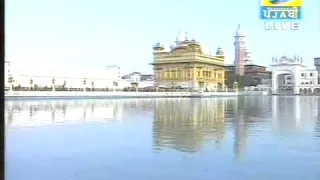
240, 52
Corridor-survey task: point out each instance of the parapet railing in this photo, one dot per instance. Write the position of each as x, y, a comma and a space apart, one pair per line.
120, 90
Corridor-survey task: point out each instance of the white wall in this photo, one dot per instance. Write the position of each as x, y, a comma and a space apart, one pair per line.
309, 77
135, 78
42, 76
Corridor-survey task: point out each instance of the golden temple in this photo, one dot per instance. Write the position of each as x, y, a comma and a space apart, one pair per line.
186, 65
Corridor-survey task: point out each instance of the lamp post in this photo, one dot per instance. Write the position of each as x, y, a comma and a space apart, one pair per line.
31, 83
53, 84
10, 80
64, 85
84, 85
115, 84
92, 85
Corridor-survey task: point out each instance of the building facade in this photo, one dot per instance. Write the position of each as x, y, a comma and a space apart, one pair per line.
252, 74
291, 76
22, 78
113, 72
186, 65
139, 79
317, 65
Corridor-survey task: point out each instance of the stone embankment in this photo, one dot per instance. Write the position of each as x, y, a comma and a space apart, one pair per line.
92, 94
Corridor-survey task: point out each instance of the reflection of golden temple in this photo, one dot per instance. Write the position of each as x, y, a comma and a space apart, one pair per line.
185, 124
187, 65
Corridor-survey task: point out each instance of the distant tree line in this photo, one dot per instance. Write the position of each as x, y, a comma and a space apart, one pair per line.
246, 80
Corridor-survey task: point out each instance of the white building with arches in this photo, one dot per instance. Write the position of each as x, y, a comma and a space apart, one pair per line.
291, 76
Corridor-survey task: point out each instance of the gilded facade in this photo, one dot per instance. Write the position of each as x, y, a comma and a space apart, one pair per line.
186, 65
187, 124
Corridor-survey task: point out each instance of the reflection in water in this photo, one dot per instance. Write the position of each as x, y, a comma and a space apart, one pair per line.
29, 113
184, 124
274, 130
293, 113
187, 124
240, 134
317, 127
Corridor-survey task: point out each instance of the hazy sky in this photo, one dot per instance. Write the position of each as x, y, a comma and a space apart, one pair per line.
96, 33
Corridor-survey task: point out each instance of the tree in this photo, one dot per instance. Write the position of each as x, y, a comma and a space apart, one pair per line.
246, 80
135, 85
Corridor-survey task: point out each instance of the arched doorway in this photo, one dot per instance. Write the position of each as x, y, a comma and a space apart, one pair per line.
300, 91
305, 91
316, 91
285, 83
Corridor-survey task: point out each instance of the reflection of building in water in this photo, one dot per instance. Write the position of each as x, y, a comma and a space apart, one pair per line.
317, 125
184, 124
20, 113
247, 111
293, 112
241, 134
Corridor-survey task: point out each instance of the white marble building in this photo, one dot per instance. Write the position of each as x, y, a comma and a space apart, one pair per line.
290, 75
76, 78
137, 77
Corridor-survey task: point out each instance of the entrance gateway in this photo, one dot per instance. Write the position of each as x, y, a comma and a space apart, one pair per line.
291, 76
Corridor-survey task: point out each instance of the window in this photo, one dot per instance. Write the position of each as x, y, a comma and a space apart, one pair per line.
310, 82
311, 74
302, 74
302, 83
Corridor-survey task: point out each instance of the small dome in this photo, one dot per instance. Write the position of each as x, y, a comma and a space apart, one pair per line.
219, 52
157, 44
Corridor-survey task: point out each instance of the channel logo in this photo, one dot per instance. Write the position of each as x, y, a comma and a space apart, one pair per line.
282, 3
281, 14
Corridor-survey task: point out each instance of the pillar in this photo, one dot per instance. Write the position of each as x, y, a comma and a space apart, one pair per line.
194, 78
296, 83
235, 86
296, 90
